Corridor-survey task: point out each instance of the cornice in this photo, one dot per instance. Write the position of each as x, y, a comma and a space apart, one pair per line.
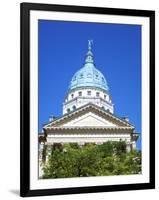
85, 130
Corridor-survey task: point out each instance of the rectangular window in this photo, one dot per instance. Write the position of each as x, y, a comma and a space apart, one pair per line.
80, 94
97, 94
89, 93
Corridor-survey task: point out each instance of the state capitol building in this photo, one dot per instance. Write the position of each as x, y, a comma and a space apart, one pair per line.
88, 112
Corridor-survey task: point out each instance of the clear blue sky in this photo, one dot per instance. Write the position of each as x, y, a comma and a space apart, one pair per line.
117, 54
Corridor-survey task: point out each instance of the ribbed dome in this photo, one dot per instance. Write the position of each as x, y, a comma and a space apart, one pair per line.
88, 75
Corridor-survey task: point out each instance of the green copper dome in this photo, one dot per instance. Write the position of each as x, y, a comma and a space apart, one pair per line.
88, 75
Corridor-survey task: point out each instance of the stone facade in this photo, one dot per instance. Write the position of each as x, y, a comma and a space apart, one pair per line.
89, 124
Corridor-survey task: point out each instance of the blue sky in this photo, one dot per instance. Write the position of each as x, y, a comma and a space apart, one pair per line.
117, 54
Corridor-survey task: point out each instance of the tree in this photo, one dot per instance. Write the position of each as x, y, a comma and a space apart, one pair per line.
110, 158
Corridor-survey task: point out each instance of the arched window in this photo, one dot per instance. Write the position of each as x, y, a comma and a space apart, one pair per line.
68, 110
74, 107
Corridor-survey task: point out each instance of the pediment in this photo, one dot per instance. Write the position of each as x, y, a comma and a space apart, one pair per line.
89, 116
89, 120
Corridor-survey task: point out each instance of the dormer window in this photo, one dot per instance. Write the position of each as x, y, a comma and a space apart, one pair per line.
81, 75
89, 93
74, 78
89, 75
97, 76
103, 80
72, 95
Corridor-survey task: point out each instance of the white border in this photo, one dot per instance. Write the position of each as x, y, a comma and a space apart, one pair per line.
36, 183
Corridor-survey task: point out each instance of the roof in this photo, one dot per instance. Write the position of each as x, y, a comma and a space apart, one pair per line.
86, 109
88, 75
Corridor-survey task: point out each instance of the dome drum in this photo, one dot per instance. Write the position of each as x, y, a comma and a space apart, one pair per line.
80, 97
83, 93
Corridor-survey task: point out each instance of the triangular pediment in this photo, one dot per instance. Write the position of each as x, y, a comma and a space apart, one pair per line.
89, 120
89, 116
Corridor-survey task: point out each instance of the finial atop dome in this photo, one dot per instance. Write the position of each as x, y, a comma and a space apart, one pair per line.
89, 55
90, 42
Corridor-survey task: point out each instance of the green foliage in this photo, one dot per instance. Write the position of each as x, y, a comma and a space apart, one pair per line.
44, 153
110, 158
